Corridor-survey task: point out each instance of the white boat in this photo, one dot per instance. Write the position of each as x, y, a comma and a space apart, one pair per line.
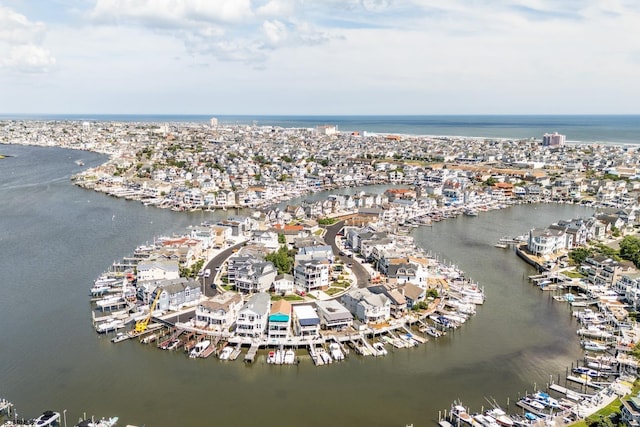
500, 416
108, 422
593, 345
120, 336
199, 348
593, 331
379, 347
110, 325
104, 422
461, 415
289, 357
225, 353
546, 400
48, 418
336, 352
532, 403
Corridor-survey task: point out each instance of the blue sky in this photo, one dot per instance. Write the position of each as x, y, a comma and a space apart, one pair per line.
320, 56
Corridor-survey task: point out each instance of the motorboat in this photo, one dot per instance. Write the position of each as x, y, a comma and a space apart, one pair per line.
104, 422
289, 357
225, 354
500, 416
461, 414
120, 336
593, 345
379, 347
48, 418
336, 351
199, 348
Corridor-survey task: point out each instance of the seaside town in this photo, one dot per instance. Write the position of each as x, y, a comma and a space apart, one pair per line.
341, 277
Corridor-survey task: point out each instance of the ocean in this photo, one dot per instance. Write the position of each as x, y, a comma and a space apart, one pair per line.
613, 129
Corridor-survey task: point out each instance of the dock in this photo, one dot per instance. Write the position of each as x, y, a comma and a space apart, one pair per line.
236, 352
251, 354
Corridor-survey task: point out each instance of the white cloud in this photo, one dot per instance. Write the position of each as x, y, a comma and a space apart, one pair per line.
29, 59
20, 44
232, 30
16, 28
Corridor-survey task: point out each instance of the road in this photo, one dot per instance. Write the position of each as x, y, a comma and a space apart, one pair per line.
362, 276
214, 265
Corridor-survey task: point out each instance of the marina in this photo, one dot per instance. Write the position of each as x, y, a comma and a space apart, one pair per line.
488, 337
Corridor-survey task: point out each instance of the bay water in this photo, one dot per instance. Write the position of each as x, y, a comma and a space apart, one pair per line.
56, 238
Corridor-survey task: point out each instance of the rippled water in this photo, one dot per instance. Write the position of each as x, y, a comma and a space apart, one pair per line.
56, 238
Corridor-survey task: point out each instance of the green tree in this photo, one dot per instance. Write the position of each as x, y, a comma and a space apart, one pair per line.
282, 260
282, 239
630, 249
326, 221
578, 255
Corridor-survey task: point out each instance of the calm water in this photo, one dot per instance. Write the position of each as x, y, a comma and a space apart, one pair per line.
56, 238
623, 129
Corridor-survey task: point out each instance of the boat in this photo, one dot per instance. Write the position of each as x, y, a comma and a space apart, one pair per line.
470, 212
500, 416
336, 352
110, 325
379, 347
120, 336
108, 422
546, 400
532, 403
461, 415
289, 357
225, 354
199, 348
587, 371
48, 418
593, 345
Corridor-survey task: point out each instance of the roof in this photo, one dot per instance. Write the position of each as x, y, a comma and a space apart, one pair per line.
306, 315
332, 310
258, 303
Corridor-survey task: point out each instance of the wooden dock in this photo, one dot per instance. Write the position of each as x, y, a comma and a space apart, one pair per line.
251, 354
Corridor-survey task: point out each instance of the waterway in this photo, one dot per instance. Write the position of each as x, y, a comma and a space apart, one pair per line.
56, 238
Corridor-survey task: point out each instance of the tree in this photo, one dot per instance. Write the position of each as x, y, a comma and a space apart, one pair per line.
578, 255
630, 249
282, 239
281, 259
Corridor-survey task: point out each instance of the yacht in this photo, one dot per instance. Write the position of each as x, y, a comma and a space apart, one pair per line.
48, 418
336, 351
199, 348
461, 415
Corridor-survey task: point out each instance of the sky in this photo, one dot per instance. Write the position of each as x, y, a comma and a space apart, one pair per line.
320, 57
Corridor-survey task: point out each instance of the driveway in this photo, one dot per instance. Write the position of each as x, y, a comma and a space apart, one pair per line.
362, 276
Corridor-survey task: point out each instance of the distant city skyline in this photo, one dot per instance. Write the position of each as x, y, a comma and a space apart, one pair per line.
330, 57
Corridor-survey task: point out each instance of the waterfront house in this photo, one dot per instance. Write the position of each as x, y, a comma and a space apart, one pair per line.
333, 315
157, 270
176, 293
279, 325
398, 303
253, 316
219, 312
546, 242
306, 322
367, 306
311, 275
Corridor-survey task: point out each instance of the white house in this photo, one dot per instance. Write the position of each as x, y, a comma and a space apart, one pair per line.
220, 312
333, 315
306, 322
366, 306
311, 275
253, 316
283, 283
157, 270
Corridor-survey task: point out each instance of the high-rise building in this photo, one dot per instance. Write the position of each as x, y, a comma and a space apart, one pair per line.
553, 139
214, 122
